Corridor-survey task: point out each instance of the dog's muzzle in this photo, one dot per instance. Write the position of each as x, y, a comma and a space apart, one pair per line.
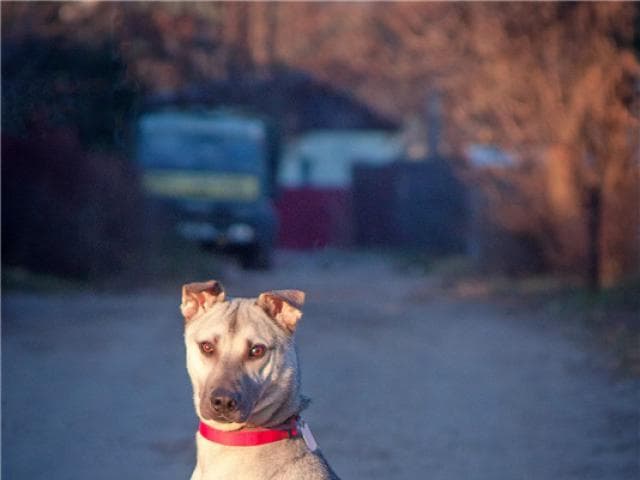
225, 402
224, 406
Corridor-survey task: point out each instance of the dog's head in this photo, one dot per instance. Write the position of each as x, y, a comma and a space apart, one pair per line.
240, 355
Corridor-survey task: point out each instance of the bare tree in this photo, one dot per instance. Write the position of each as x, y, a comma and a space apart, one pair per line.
556, 85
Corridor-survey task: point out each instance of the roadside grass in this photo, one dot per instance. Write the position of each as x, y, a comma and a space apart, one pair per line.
609, 318
21, 279
155, 268
625, 295
168, 265
612, 319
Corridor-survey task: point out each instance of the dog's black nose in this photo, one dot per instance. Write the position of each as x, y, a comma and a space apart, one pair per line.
224, 402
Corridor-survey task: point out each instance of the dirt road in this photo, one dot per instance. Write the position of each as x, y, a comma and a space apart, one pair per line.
404, 384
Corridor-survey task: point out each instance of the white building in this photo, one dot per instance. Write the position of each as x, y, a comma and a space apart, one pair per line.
324, 158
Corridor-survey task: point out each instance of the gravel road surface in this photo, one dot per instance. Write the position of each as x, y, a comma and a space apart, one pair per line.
405, 383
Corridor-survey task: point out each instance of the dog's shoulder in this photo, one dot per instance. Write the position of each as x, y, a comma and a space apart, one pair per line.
308, 465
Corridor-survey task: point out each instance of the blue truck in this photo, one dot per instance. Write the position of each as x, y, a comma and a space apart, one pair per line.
215, 172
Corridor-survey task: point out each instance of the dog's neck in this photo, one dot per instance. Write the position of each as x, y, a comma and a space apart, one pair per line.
219, 461
209, 453
280, 414
251, 436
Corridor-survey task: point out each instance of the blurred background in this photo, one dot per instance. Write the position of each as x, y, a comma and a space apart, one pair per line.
467, 164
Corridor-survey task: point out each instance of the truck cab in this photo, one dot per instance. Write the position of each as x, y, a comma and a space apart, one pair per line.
215, 172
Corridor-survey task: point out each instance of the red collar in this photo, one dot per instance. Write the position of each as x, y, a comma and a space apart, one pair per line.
250, 436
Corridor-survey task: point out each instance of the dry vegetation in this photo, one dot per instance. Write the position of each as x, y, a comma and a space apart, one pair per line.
554, 84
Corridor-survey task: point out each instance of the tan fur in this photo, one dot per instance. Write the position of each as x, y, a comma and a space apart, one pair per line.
200, 296
283, 306
269, 385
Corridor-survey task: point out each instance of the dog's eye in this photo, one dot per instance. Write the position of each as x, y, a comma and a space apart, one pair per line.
207, 348
257, 351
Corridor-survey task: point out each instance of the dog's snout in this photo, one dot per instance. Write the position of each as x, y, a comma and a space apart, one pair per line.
225, 402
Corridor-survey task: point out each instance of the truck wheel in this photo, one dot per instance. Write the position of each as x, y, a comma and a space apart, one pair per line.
256, 258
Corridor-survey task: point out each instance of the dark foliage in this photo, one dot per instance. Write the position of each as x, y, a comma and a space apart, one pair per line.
300, 101
69, 198
56, 83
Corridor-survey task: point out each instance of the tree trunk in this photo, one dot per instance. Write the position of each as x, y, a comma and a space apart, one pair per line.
237, 28
594, 212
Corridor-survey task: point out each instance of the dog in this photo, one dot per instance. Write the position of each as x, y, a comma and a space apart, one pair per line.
243, 366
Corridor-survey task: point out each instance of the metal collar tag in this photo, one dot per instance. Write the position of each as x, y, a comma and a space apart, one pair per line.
312, 445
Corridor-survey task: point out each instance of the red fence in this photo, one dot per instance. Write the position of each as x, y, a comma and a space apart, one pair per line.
314, 217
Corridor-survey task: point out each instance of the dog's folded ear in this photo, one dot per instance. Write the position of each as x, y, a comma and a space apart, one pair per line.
199, 295
284, 306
